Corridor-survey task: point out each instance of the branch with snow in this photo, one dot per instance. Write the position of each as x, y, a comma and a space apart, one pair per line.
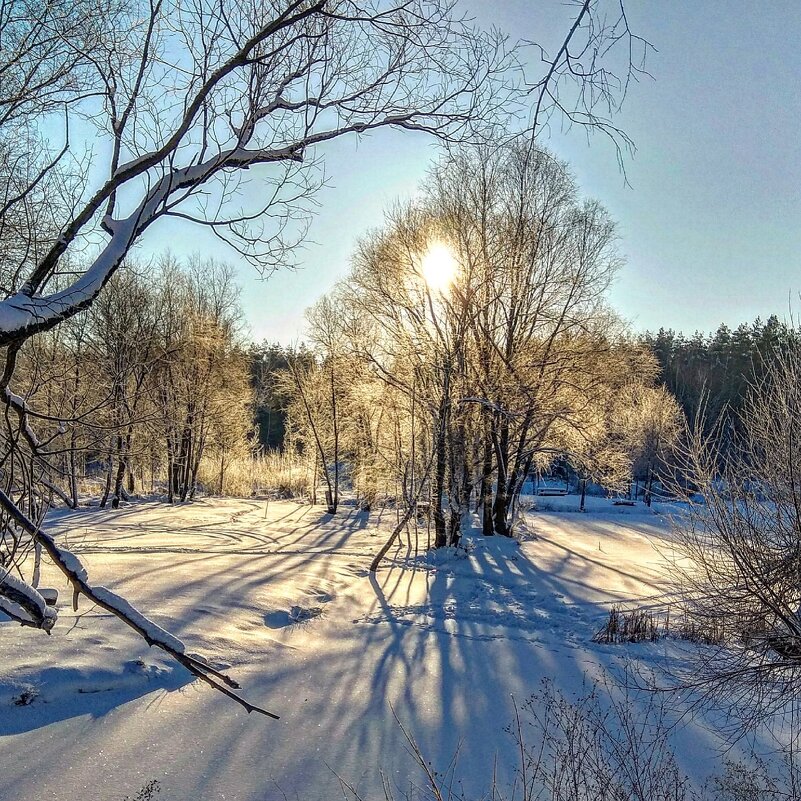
23, 603
278, 87
26, 605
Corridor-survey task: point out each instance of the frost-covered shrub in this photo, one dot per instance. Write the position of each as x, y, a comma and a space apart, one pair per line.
606, 744
596, 747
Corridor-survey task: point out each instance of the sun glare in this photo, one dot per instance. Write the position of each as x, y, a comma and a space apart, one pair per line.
439, 267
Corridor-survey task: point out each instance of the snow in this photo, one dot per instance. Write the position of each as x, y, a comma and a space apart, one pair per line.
28, 595
280, 597
154, 633
18, 403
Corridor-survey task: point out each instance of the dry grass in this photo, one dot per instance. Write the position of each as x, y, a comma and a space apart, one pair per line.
634, 625
272, 473
649, 625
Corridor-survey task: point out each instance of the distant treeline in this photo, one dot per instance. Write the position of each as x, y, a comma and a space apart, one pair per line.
267, 360
709, 374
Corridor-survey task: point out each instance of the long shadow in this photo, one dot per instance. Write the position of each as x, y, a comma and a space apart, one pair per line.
229, 575
540, 626
58, 693
64, 693
444, 642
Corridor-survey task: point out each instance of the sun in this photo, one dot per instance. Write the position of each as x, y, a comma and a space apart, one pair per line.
439, 267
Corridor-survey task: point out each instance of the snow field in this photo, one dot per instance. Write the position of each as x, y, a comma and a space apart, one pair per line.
448, 641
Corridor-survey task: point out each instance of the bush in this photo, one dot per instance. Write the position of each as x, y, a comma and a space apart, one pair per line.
603, 745
650, 625
590, 748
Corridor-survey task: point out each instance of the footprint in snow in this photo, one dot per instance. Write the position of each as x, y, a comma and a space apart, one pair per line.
300, 613
280, 618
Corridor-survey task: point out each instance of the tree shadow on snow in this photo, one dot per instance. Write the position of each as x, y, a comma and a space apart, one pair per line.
38, 698
456, 641
447, 642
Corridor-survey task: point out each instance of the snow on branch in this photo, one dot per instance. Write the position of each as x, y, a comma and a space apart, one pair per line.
23, 603
74, 570
22, 314
278, 88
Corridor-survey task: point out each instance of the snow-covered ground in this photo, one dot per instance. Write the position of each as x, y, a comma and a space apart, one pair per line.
281, 593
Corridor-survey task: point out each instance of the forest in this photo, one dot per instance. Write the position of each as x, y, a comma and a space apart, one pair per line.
473, 535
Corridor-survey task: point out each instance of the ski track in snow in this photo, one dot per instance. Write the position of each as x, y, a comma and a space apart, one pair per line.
279, 595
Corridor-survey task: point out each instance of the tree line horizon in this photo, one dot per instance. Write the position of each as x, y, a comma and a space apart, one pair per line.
720, 365
444, 398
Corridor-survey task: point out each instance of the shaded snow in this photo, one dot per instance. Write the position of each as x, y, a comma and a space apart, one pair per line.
281, 593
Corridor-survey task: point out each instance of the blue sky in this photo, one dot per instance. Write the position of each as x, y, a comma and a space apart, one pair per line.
710, 224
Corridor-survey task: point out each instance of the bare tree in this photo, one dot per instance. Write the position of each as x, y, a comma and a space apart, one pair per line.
317, 393
742, 541
231, 430
325, 327
255, 84
121, 341
537, 261
190, 99
414, 341
482, 305
654, 422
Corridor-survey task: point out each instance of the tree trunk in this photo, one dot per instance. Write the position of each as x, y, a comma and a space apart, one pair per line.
332, 507
440, 535
73, 468
172, 469
107, 488
500, 508
459, 480
185, 455
487, 523
74, 436
131, 481
198, 447
123, 467
120, 475
314, 483
649, 480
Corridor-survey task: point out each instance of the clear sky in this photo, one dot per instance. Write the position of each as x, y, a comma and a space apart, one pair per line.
711, 222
